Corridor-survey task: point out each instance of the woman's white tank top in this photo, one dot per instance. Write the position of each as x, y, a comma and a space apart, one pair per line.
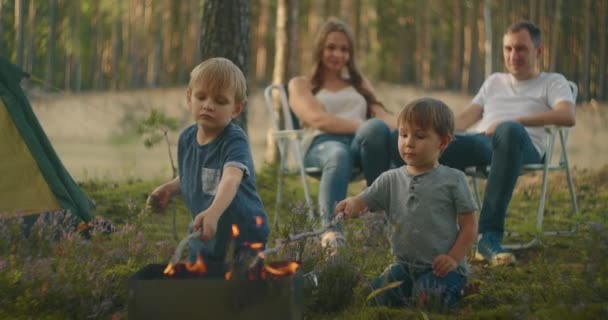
346, 103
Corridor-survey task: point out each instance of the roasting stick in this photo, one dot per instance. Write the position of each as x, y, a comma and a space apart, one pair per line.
296, 237
180, 247
279, 242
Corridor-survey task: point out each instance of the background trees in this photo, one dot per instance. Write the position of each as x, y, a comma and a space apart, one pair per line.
112, 45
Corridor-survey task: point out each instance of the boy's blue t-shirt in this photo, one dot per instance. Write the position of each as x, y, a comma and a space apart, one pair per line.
200, 170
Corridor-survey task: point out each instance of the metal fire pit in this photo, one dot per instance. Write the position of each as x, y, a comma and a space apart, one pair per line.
152, 295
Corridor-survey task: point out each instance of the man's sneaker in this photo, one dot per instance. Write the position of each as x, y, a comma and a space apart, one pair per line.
490, 249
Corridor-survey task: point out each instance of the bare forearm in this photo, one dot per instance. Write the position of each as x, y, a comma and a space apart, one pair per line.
467, 118
466, 238
334, 124
173, 187
554, 117
226, 191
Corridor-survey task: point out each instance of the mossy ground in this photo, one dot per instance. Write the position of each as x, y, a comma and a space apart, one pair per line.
565, 277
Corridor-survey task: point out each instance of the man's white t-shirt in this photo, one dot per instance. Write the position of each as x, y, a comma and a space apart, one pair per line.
504, 98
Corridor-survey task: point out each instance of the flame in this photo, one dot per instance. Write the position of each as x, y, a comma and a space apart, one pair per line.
198, 267
259, 221
283, 270
235, 231
169, 270
256, 245
228, 275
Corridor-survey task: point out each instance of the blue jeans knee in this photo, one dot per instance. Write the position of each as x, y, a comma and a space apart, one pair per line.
371, 147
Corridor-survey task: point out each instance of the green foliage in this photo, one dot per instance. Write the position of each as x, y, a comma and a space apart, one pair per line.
155, 127
58, 273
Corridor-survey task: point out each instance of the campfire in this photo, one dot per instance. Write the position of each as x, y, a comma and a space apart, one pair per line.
229, 290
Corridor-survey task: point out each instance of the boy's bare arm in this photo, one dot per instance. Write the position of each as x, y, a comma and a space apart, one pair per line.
445, 263
159, 198
226, 191
466, 237
351, 207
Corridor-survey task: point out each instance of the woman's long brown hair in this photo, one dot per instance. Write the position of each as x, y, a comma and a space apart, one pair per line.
354, 75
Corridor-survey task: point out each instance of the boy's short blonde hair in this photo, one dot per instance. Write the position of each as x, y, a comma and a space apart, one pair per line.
428, 113
218, 75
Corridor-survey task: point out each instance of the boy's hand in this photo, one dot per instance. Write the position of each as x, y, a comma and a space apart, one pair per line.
443, 264
158, 200
207, 223
352, 207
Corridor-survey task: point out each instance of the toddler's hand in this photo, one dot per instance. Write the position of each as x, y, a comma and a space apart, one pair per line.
158, 200
351, 207
443, 264
206, 223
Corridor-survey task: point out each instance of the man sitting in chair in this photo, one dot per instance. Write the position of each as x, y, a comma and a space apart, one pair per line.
512, 109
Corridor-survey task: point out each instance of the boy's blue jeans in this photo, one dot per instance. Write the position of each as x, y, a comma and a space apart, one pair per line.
507, 151
337, 155
418, 286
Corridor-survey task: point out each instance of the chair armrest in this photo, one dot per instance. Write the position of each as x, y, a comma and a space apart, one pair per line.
288, 134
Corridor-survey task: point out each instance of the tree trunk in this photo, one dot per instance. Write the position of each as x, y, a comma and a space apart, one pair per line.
475, 78
2, 46
346, 12
587, 55
95, 41
442, 59
426, 46
279, 74
31, 26
542, 17
601, 82
261, 54
293, 11
557, 17
315, 15
50, 53
116, 45
158, 45
77, 57
19, 30
225, 33
419, 29
195, 25
180, 34
456, 55
469, 25
487, 18
532, 12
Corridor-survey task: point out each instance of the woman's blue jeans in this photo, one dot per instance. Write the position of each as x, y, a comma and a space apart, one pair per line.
338, 155
506, 151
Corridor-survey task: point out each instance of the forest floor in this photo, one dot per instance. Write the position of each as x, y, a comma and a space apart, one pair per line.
95, 134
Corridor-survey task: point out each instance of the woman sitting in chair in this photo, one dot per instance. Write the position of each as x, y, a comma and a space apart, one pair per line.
346, 127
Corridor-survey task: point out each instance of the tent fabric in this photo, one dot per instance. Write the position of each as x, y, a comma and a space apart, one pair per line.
22, 186
58, 181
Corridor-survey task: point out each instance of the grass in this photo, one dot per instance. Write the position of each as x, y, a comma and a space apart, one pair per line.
58, 273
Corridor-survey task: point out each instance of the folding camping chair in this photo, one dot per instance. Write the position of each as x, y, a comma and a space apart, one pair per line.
545, 167
288, 135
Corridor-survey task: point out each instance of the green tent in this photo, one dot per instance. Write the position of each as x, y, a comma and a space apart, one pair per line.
32, 178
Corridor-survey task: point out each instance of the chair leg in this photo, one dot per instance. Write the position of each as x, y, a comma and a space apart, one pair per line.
575, 211
476, 191
299, 160
279, 197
